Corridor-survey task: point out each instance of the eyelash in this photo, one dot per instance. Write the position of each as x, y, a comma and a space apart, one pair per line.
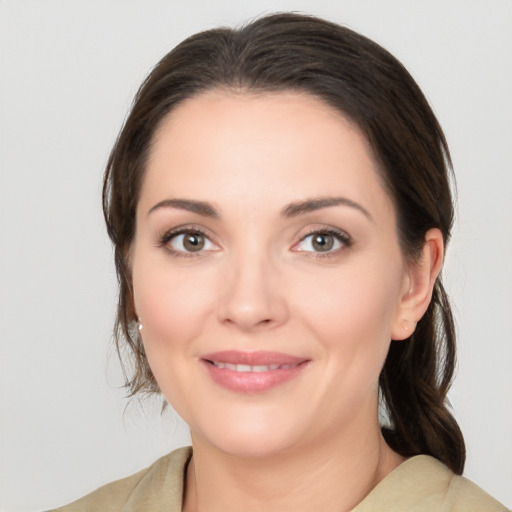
183, 230
341, 236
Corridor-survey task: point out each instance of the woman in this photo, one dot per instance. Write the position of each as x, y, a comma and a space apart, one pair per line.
279, 204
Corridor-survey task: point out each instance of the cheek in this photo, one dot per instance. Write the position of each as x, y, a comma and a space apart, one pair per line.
352, 310
171, 304
353, 299
173, 307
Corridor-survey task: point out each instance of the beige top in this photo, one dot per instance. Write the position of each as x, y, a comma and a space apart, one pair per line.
420, 484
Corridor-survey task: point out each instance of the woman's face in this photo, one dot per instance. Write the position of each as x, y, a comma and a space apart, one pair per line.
267, 271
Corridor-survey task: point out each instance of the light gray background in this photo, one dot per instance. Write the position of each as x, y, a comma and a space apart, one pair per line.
69, 70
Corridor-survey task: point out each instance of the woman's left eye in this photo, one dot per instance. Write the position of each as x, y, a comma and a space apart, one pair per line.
323, 242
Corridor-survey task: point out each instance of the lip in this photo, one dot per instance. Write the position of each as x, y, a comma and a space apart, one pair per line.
245, 379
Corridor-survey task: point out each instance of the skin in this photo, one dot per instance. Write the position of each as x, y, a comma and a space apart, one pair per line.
313, 442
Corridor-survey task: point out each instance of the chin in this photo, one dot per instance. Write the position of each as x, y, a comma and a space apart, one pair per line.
253, 439
254, 448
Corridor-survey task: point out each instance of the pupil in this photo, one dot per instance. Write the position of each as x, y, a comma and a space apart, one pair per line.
193, 242
323, 242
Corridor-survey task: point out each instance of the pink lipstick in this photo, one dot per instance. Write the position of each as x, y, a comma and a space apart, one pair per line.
252, 372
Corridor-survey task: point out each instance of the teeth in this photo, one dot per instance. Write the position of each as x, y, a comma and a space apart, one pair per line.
257, 368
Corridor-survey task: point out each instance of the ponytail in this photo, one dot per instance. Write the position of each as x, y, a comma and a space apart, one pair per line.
414, 383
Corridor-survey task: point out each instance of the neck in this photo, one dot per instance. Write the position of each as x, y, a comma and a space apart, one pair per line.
331, 476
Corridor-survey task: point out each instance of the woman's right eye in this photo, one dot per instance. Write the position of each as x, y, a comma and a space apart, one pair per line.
188, 242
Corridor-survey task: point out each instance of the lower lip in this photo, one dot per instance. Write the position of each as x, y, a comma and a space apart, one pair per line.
252, 382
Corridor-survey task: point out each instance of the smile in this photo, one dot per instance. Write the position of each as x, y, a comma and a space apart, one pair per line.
255, 368
252, 372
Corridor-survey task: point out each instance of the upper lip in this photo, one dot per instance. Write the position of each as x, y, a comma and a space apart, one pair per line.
257, 358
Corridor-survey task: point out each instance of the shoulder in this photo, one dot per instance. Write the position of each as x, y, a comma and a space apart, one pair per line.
423, 484
158, 487
463, 493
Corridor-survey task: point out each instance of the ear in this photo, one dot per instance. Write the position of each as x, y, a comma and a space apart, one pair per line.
418, 286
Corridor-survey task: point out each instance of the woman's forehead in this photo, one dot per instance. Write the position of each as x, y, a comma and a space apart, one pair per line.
288, 141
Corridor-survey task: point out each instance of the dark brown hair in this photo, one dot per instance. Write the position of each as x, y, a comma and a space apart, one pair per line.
368, 85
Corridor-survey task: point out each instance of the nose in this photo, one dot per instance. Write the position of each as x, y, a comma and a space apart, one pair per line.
252, 298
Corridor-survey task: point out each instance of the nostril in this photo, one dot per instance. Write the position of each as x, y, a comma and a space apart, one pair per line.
250, 304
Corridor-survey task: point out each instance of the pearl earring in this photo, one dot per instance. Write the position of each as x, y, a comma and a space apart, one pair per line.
408, 326
139, 325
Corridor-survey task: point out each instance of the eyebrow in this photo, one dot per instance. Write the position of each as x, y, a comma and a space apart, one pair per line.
206, 209
311, 205
200, 207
